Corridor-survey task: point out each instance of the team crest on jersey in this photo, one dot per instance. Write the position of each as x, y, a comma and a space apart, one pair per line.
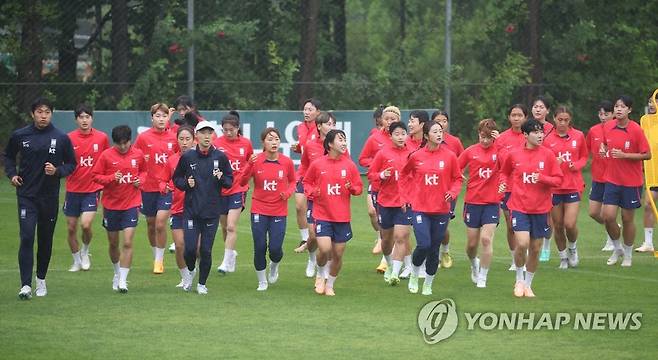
133, 163
627, 145
441, 164
541, 165
241, 151
343, 173
170, 146
493, 157
95, 147
574, 144
280, 174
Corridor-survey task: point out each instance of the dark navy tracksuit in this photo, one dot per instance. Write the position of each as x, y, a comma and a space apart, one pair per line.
38, 197
203, 203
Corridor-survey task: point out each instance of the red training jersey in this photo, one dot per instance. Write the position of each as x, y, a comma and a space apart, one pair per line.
310, 152
389, 157
87, 148
629, 139
178, 196
157, 147
274, 183
306, 131
572, 149
593, 140
238, 151
483, 170
453, 143
120, 194
508, 141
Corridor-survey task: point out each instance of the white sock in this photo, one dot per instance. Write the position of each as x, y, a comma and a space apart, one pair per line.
383, 259
648, 236
159, 254
415, 270
609, 239
234, 254
153, 251
628, 251
407, 261
616, 244
473, 262
387, 258
312, 256
182, 272
330, 281
304, 234
274, 266
76, 258
261, 276
445, 248
519, 273
123, 273
116, 268
528, 278
428, 280
326, 269
397, 265
483, 272
227, 256
85, 249
571, 245
563, 254
322, 270
546, 245
511, 253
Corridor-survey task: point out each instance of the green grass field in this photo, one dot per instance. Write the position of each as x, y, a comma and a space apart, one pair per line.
83, 318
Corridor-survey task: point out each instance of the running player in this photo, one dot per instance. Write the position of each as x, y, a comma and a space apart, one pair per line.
455, 145
594, 139
238, 149
481, 203
332, 179
121, 170
541, 107
372, 211
649, 218
81, 200
626, 146
568, 145
274, 183
44, 155
157, 144
433, 171
532, 172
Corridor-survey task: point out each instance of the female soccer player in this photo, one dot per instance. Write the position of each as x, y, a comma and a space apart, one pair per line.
455, 145
274, 183
306, 131
394, 219
121, 170
157, 144
332, 179
238, 149
81, 200
417, 119
481, 203
433, 171
202, 173
508, 141
541, 107
532, 172
372, 211
185, 135
626, 146
568, 145
593, 140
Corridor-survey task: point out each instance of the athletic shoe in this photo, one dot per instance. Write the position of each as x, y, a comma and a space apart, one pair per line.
123, 286
519, 289
329, 291
42, 290
273, 274
301, 247
201, 289
608, 246
188, 278
262, 286
320, 284
627, 262
427, 289
572, 257
564, 264
115, 282
545, 255
222, 269
387, 274
381, 268
377, 249
86, 262
475, 270
158, 267
616, 254
413, 284
512, 267
181, 283
75, 267
25, 293
645, 248
232, 261
172, 248
482, 281
405, 273
527, 292
446, 260
394, 280
310, 269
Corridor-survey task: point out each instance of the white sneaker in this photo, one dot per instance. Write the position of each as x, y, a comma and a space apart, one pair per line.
75, 267
512, 267
273, 274
188, 279
223, 268
482, 281
572, 257
608, 246
41, 288
475, 270
201, 289
262, 286
172, 248
406, 272
86, 262
564, 264
645, 248
181, 283
123, 286
25, 293
310, 269
616, 254
115, 282
233, 261
627, 262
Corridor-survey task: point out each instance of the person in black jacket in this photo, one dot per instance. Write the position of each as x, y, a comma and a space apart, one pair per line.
46, 156
201, 173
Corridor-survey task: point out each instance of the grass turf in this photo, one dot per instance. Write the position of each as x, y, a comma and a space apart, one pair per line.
83, 318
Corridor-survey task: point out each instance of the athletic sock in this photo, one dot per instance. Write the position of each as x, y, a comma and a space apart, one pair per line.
261, 276
616, 244
648, 236
546, 245
519, 273
182, 272
153, 251
387, 258
445, 248
397, 265
116, 268
312, 256
331, 280
428, 280
571, 245
274, 266
327, 267
628, 251
563, 254
407, 261
528, 278
123, 273
483, 272
85, 249
415, 270
76, 258
159, 254
304, 234
473, 262
227, 257
322, 271
511, 252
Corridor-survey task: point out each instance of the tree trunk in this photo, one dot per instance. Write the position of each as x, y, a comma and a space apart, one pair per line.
29, 61
340, 38
67, 53
307, 54
120, 48
533, 51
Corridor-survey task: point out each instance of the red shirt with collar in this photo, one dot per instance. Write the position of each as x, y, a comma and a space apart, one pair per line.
122, 194
87, 148
157, 147
394, 157
593, 140
272, 178
629, 139
483, 169
238, 151
573, 150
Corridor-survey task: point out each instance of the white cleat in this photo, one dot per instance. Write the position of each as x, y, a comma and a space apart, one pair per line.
41, 288
123, 286
273, 274
627, 262
223, 268
572, 257
475, 271
86, 262
201, 289
616, 254
406, 272
262, 286
25, 293
564, 264
482, 281
645, 248
75, 267
115, 282
608, 246
180, 284
310, 269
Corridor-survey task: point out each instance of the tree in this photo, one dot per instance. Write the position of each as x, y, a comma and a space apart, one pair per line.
120, 48
28, 61
308, 47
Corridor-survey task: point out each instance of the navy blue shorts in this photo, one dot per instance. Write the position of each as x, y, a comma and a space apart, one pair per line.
430, 230
299, 187
566, 198
117, 220
536, 224
339, 232
261, 225
596, 192
391, 216
477, 215
176, 221
626, 197
77, 203
233, 201
152, 202
503, 202
309, 212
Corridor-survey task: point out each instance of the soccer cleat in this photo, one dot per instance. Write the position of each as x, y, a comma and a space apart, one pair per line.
158, 267
41, 288
475, 270
482, 282
115, 282
329, 291
616, 254
405, 273
572, 257
387, 274
301, 247
644, 248
273, 274
627, 261
310, 269
527, 292
381, 268
232, 261
123, 286
25, 293
394, 280
320, 285
427, 289
446, 260
545, 255
75, 267
519, 289
413, 284
86, 262
564, 264
172, 248
262, 286
377, 249
201, 289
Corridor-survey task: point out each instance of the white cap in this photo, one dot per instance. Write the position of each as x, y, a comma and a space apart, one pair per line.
204, 124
